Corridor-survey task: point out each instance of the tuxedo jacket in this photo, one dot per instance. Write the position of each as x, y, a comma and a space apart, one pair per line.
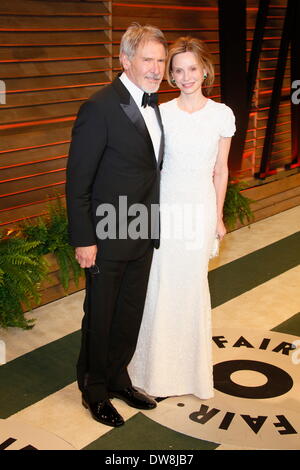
112, 155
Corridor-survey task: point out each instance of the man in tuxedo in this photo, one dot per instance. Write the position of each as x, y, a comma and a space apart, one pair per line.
115, 155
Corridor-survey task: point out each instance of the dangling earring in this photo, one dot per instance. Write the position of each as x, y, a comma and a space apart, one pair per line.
205, 76
173, 81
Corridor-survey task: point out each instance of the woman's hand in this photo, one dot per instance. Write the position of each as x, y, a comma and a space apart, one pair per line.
220, 179
221, 229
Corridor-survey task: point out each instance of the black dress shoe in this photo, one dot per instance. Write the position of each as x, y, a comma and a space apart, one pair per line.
134, 398
104, 412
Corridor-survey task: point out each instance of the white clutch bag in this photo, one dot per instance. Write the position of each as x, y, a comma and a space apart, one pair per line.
215, 248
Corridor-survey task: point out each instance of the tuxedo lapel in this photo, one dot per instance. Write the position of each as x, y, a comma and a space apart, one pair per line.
162, 139
132, 111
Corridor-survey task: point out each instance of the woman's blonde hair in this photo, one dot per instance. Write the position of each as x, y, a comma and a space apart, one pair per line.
201, 51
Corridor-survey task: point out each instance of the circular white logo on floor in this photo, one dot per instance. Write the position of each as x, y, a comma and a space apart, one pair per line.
257, 393
17, 435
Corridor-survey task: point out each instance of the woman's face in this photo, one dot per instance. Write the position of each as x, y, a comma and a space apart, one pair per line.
187, 72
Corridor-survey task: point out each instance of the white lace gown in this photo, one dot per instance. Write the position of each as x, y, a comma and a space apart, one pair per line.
174, 350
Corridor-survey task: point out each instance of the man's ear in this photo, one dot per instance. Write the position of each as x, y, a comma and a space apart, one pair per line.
125, 61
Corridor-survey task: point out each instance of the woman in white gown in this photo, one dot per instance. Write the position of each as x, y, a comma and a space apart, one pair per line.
174, 350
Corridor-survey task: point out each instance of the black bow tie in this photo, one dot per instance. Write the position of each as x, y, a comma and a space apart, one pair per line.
149, 99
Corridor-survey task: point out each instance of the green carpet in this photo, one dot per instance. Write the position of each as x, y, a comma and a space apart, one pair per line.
140, 430
47, 369
290, 326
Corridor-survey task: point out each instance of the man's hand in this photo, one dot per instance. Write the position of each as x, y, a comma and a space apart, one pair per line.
86, 255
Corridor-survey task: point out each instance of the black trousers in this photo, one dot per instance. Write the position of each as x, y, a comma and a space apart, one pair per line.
113, 307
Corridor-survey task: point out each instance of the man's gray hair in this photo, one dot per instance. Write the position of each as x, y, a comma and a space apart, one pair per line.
137, 34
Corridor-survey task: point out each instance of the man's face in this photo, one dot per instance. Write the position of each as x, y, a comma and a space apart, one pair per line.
146, 68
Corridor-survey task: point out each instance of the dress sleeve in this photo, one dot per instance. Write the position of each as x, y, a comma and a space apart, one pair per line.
227, 123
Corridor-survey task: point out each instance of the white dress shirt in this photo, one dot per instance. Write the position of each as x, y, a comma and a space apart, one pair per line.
148, 113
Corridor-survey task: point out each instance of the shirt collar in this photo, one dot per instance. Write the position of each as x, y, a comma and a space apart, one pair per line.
135, 91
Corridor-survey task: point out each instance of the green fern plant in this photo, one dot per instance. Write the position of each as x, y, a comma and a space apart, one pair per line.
236, 205
51, 231
21, 272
